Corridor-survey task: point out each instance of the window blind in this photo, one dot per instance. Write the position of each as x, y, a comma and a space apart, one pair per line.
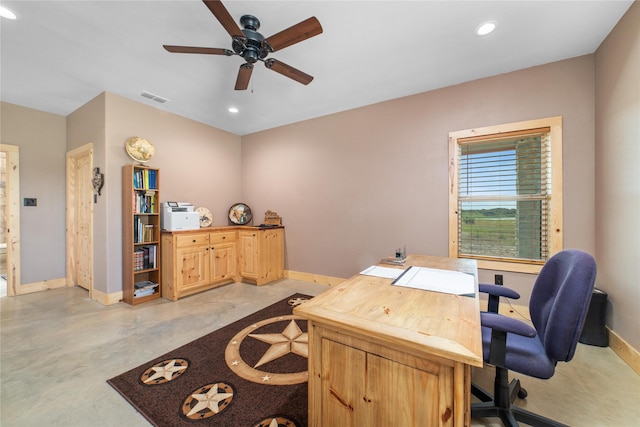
504, 196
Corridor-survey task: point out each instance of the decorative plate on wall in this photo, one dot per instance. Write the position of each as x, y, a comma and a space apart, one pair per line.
240, 214
206, 217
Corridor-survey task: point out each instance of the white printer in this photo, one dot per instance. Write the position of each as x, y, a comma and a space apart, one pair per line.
178, 216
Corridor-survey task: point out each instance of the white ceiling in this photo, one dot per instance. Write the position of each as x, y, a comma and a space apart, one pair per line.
60, 54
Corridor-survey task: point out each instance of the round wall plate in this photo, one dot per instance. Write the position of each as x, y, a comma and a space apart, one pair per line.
240, 214
206, 217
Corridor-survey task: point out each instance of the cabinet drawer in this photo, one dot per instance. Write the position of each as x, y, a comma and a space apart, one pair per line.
227, 236
192, 240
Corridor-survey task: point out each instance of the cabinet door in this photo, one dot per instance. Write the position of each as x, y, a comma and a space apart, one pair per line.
223, 261
248, 259
193, 266
364, 389
343, 385
270, 255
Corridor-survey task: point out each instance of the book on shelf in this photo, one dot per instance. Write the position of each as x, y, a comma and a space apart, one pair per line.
145, 178
145, 258
138, 260
145, 201
144, 288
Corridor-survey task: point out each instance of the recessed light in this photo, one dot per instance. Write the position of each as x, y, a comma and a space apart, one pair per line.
486, 28
233, 110
6, 13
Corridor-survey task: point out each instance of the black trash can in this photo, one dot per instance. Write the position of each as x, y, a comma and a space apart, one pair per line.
594, 331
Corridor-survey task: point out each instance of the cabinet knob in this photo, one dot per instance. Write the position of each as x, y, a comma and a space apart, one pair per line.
224, 237
194, 240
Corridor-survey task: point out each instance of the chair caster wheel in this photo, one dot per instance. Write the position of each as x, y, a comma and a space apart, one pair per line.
522, 394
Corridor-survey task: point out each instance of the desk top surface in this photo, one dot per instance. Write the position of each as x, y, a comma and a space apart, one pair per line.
435, 323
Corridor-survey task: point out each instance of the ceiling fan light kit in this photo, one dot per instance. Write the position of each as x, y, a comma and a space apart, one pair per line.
253, 46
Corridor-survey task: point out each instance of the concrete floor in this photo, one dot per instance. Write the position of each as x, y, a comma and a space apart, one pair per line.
58, 348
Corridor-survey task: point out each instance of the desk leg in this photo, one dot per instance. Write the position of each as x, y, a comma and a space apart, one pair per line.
462, 394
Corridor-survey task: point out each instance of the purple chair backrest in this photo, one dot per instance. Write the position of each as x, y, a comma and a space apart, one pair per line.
560, 300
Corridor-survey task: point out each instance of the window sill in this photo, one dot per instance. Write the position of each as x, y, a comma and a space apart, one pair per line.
509, 266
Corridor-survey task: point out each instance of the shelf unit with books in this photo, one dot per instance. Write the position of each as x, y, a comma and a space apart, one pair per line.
140, 234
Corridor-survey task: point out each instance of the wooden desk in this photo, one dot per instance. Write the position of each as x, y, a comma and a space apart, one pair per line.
385, 355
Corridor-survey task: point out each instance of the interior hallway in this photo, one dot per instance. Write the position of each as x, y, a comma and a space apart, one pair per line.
58, 348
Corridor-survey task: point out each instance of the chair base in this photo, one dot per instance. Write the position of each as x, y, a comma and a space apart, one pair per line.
501, 406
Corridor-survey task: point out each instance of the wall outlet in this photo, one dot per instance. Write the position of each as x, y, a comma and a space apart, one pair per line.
30, 201
498, 280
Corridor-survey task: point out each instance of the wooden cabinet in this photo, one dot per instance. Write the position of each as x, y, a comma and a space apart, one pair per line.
359, 383
383, 355
196, 261
261, 254
140, 234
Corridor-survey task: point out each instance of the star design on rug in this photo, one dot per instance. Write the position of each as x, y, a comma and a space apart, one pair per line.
165, 371
277, 421
209, 400
266, 378
294, 302
291, 340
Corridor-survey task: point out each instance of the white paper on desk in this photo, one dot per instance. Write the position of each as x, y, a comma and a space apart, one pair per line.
386, 272
431, 279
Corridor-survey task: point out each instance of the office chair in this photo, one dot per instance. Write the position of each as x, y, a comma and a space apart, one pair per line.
558, 307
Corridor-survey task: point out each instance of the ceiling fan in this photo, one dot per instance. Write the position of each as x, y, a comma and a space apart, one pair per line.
253, 46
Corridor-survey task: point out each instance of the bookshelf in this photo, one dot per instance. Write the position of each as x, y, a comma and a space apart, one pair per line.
140, 234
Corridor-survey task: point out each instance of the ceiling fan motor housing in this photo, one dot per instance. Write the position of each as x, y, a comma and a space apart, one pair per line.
254, 47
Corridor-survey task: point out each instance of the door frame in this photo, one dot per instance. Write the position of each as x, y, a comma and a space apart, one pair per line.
12, 218
72, 195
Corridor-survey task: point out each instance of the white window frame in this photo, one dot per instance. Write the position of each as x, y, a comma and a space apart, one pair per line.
555, 232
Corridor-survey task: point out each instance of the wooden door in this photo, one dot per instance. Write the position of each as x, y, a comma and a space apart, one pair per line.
223, 262
80, 217
193, 267
84, 218
343, 384
248, 259
11, 217
271, 255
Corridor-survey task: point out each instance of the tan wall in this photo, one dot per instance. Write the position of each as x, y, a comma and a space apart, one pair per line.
198, 164
41, 138
618, 174
353, 186
87, 125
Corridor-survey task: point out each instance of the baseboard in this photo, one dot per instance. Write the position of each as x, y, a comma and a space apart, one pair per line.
44, 285
106, 299
628, 354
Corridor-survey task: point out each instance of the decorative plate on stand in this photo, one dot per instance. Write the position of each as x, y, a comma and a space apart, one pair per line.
240, 214
206, 217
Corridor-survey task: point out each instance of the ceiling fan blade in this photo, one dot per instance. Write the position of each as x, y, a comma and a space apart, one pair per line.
244, 75
288, 71
297, 33
226, 20
204, 50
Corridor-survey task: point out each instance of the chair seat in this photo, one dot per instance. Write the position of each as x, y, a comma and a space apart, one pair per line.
525, 355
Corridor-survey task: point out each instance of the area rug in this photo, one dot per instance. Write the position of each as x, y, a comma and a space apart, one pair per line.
252, 372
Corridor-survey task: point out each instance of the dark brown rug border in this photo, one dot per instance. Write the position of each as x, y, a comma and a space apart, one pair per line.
287, 400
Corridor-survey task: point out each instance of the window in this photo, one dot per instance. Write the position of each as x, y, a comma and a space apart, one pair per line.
505, 196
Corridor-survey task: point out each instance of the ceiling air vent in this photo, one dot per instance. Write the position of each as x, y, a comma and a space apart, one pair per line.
153, 97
